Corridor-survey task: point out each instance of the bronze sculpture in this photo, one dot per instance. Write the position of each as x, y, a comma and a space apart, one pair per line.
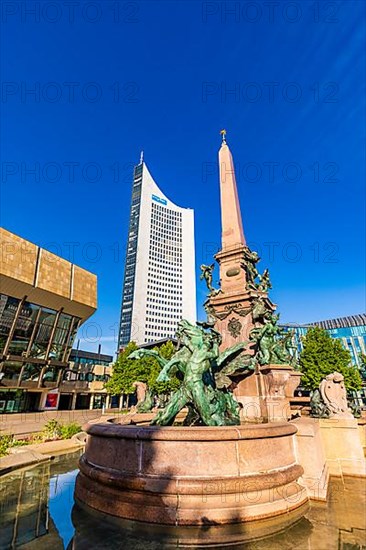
272, 342
251, 258
265, 282
200, 362
207, 276
144, 397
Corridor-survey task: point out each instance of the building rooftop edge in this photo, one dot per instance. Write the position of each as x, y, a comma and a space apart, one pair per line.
356, 320
144, 165
42, 248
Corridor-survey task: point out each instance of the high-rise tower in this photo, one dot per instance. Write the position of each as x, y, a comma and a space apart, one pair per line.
159, 286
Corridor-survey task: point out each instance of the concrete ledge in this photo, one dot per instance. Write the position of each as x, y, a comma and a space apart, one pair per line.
310, 454
21, 460
21, 457
54, 448
342, 446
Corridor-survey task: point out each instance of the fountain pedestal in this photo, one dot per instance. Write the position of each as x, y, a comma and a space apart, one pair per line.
265, 395
191, 476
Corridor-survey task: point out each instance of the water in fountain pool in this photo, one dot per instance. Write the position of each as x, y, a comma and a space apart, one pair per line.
38, 512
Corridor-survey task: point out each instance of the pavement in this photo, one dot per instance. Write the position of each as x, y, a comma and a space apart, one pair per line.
23, 424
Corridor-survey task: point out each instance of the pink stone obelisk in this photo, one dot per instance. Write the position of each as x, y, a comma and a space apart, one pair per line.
232, 305
264, 394
231, 221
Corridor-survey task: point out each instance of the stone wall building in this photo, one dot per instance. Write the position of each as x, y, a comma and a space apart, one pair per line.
44, 299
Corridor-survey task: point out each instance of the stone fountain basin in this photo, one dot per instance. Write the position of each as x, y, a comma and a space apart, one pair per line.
191, 475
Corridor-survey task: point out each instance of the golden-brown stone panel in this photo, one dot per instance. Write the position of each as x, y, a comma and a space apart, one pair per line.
84, 287
18, 257
54, 274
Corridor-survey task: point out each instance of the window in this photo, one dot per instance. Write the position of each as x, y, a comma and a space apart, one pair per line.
23, 328
11, 370
8, 308
43, 333
59, 339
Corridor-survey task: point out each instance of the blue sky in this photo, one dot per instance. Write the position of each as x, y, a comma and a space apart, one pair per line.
286, 82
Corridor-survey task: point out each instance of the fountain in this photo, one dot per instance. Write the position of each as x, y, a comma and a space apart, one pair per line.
232, 459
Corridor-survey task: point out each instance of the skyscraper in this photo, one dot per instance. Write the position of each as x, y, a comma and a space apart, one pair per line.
159, 286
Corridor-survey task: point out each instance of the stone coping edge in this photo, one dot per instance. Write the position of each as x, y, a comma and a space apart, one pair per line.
192, 433
12, 462
192, 485
31, 456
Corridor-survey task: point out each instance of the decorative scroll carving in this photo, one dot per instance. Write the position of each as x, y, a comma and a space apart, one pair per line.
239, 309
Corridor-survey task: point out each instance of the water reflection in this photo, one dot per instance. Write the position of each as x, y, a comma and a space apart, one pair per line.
37, 512
35, 506
134, 536
23, 508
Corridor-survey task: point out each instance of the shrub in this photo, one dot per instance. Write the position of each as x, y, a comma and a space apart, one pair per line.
5, 443
52, 430
20, 442
55, 430
68, 430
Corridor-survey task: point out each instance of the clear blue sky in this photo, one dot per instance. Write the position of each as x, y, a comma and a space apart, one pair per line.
289, 87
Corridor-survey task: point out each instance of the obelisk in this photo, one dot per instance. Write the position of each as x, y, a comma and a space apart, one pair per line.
231, 307
241, 304
231, 220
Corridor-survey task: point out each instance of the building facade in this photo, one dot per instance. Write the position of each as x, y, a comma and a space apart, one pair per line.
83, 382
159, 286
43, 301
351, 331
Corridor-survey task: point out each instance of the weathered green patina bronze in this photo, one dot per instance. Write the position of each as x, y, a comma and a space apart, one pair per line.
206, 274
273, 344
144, 397
249, 264
147, 404
317, 406
205, 382
265, 281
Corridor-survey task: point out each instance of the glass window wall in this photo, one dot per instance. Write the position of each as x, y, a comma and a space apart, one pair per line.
43, 333
33, 329
11, 370
59, 342
8, 309
31, 372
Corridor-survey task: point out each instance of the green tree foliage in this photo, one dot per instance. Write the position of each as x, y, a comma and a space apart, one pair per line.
127, 371
323, 355
363, 366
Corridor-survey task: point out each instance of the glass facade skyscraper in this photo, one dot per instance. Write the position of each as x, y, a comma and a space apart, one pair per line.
159, 285
351, 331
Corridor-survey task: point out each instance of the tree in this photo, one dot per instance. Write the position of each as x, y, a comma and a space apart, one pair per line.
363, 366
322, 355
127, 371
